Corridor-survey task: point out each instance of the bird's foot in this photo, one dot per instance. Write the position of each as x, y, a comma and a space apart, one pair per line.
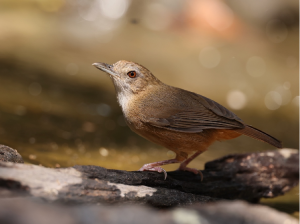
195, 171
148, 167
156, 166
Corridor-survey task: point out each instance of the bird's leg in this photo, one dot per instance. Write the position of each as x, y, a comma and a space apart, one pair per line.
156, 166
187, 161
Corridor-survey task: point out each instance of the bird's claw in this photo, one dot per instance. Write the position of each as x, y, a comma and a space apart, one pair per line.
156, 169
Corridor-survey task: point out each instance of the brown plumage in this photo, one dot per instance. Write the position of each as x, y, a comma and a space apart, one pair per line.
182, 121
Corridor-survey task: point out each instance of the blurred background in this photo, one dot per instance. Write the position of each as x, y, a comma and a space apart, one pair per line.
57, 110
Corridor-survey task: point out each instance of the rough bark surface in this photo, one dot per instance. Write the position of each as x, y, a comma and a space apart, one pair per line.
243, 176
240, 176
8, 154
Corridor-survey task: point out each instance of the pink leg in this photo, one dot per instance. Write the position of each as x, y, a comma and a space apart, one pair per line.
156, 166
187, 161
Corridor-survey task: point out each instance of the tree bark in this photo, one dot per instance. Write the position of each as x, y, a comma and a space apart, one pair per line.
242, 176
8, 154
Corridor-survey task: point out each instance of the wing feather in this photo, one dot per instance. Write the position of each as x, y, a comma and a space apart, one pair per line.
204, 114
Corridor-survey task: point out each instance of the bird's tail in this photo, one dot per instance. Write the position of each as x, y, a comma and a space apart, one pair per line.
260, 135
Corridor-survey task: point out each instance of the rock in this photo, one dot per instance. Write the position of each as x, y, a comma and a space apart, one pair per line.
8, 154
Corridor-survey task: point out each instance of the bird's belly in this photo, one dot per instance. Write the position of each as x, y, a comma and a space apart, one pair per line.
185, 142
179, 142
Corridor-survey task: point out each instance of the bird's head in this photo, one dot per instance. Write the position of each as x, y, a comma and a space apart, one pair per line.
129, 77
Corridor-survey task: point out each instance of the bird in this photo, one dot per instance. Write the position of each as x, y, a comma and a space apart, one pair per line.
182, 121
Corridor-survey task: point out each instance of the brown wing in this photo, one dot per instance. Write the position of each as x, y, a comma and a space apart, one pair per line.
203, 114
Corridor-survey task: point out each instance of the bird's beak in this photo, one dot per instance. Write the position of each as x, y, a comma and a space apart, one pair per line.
106, 68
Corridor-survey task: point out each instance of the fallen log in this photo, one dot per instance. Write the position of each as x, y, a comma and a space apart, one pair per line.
242, 176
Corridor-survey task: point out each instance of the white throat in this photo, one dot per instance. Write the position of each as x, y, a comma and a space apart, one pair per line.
123, 100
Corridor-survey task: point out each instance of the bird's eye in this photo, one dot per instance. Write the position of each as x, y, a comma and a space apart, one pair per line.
131, 74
